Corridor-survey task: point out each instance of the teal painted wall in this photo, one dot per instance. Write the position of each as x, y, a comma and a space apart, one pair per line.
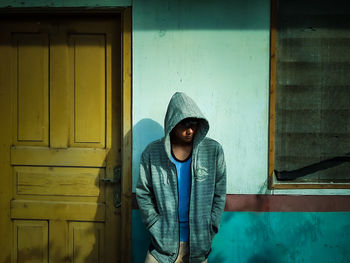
218, 53
278, 237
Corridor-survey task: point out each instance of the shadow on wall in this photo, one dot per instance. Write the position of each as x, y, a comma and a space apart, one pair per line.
144, 132
140, 238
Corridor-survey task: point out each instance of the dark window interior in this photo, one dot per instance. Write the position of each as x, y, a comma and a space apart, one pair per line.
312, 113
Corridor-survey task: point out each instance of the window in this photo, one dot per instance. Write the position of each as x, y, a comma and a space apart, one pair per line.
309, 144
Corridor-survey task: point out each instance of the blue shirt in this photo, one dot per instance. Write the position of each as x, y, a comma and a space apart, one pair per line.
183, 169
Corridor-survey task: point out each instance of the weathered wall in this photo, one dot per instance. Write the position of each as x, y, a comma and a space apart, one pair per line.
290, 237
218, 53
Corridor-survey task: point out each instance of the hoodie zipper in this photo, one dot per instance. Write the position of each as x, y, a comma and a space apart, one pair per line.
177, 209
189, 214
193, 162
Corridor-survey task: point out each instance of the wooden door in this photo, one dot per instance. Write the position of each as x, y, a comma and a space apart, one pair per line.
60, 80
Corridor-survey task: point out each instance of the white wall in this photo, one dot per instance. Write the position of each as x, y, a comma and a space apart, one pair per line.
218, 53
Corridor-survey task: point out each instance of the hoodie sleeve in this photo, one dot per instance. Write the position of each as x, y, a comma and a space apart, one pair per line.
145, 195
220, 190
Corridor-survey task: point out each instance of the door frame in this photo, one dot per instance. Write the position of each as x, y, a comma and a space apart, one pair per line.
126, 109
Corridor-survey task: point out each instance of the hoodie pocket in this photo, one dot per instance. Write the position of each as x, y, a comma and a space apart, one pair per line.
157, 237
210, 237
154, 230
200, 236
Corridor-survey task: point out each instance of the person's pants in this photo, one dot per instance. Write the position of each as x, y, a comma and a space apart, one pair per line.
183, 256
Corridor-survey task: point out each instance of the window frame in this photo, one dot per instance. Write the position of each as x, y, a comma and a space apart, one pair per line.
273, 183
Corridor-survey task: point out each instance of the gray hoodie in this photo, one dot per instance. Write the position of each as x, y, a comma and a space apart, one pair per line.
157, 189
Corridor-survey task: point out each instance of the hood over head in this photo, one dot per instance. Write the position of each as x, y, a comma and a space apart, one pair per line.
182, 107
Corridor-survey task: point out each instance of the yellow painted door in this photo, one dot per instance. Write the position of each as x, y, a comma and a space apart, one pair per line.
60, 96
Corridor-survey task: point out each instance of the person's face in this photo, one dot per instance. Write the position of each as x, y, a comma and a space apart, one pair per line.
186, 130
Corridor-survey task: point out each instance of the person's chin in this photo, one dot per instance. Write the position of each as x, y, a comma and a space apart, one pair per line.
188, 139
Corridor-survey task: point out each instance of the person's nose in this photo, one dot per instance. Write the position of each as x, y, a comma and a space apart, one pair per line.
189, 131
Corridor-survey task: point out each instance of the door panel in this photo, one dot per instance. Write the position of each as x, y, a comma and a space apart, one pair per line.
30, 241
31, 87
65, 85
58, 181
87, 53
58, 210
86, 241
90, 157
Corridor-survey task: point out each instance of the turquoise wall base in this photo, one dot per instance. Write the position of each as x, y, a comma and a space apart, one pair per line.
273, 237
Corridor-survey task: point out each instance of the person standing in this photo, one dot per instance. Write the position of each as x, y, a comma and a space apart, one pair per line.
181, 189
